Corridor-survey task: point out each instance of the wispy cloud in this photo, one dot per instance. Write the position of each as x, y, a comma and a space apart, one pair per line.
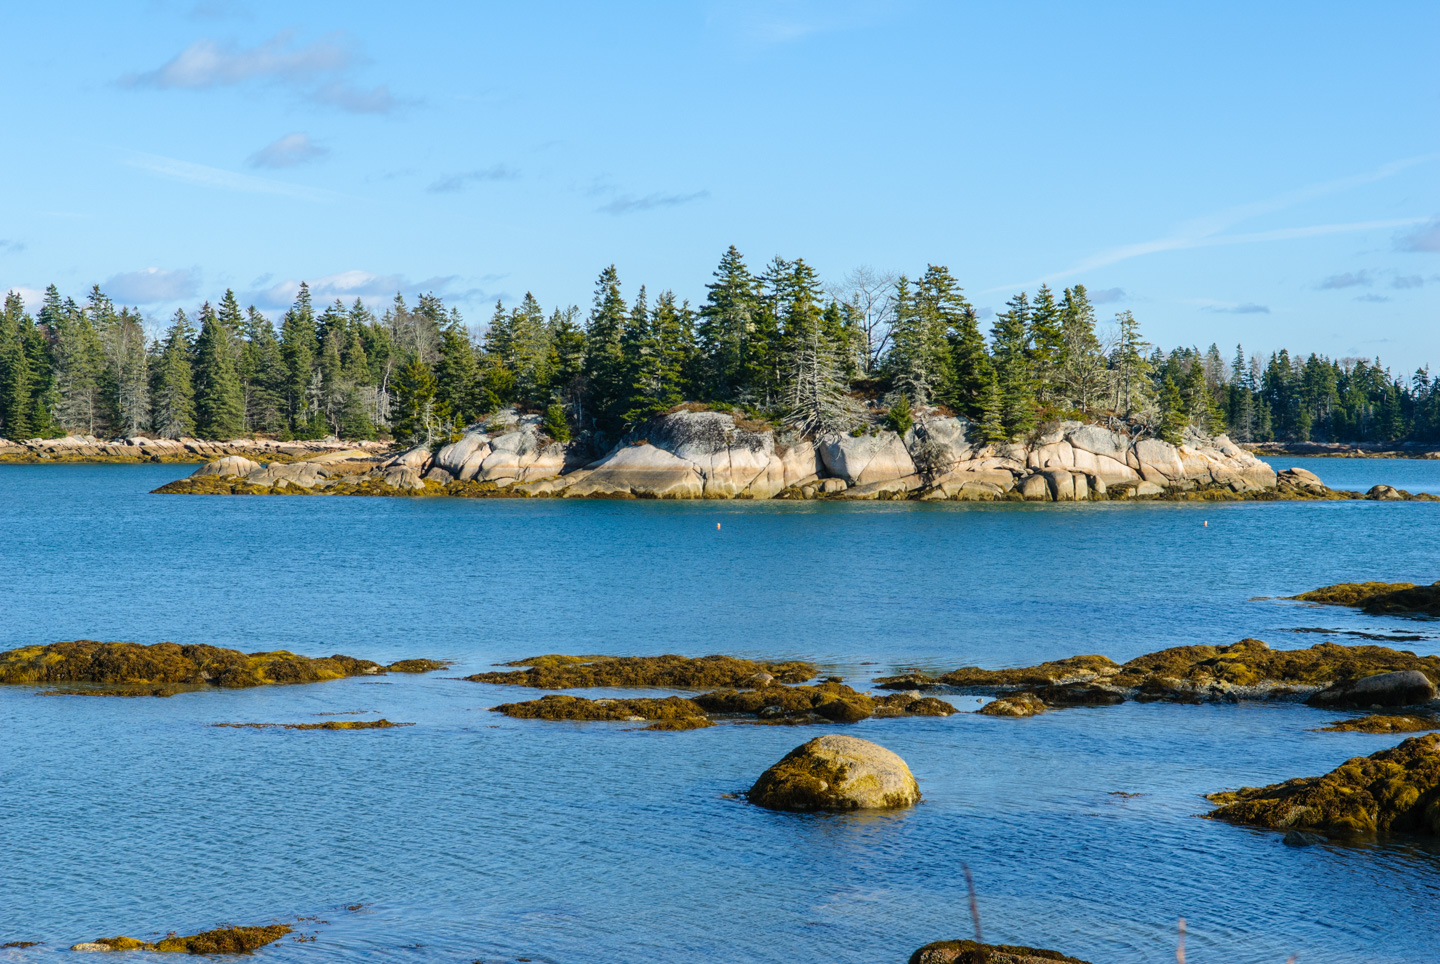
1207, 231
152, 286
317, 71
1407, 281
1372, 297
1425, 238
287, 151
629, 204
1106, 296
215, 177
368, 286
452, 183
1348, 279
12, 247
1246, 308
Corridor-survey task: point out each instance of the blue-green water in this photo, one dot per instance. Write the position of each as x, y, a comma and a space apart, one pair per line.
471, 836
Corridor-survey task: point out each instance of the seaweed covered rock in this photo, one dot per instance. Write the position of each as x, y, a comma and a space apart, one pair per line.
969, 952
836, 773
557, 672
222, 940
1331, 674
1381, 598
164, 667
671, 713
1377, 723
381, 724
1014, 705
1395, 790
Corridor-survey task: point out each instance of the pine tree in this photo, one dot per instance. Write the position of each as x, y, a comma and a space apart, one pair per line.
1046, 344
992, 427
418, 415
567, 359
1010, 336
456, 374
921, 362
298, 348
16, 404
78, 362
1082, 364
219, 402
1131, 368
172, 396
262, 375
727, 327
971, 365
531, 353
815, 401
1172, 413
606, 368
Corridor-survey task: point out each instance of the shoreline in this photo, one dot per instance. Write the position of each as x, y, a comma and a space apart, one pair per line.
1342, 450
89, 450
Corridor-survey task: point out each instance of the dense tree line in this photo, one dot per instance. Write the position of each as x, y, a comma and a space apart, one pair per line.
776, 344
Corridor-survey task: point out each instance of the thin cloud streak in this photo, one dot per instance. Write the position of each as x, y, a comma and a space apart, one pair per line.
1206, 231
628, 204
177, 170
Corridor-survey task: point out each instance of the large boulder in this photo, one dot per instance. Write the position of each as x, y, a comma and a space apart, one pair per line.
462, 459
639, 470
1405, 688
230, 467
837, 773
866, 458
969, 952
419, 457
282, 475
521, 456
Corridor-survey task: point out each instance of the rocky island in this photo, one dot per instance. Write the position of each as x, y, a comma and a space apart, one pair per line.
701, 454
163, 669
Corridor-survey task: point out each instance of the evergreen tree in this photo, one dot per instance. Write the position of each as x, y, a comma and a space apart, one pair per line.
815, 401
172, 396
1082, 365
567, 359
921, 357
992, 427
726, 327
971, 365
1130, 367
16, 404
418, 414
457, 374
1046, 337
1172, 413
298, 348
263, 375
219, 401
1010, 334
78, 361
606, 368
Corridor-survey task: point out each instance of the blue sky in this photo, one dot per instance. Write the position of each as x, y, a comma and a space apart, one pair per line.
1257, 173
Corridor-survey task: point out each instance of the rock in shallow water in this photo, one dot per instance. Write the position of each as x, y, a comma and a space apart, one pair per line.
969, 952
837, 773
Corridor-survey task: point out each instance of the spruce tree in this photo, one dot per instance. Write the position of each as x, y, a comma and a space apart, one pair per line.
726, 327
1012, 362
219, 402
992, 427
1046, 344
605, 362
298, 348
970, 364
262, 375
1172, 413
1130, 367
1082, 366
418, 415
456, 374
172, 396
15, 378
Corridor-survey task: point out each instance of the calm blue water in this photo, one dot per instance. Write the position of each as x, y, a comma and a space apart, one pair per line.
471, 836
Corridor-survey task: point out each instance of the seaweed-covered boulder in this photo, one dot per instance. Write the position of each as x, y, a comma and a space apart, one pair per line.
1393, 790
1377, 723
1015, 705
969, 952
559, 672
837, 773
222, 940
1405, 688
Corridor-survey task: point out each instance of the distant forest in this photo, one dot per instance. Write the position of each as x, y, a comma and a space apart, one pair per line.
776, 345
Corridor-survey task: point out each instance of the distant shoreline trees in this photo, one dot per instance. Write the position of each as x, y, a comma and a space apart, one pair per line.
775, 344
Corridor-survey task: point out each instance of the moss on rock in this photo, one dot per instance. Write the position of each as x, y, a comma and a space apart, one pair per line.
381, 724
676, 713
1394, 790
969, 952
222, 940
161, 669
1381, 598
1015, 705
1378, 723
557, 672
836, 773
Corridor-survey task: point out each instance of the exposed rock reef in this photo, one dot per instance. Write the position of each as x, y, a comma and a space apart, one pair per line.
223, 940
1379, 723
162, 669
696, 454
1381, 598
558, 672
87, 448
829, 702
969, 952
1396, 790
837, 773
381, 724
1326, 674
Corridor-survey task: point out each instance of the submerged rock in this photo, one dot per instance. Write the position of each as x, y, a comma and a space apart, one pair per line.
1393, 790
837, 773
1404, 688
169, 666
328, 725
969, 952
675, 712
223, 940
558, 672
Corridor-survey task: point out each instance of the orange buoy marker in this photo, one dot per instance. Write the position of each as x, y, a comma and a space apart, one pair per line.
1207, 523
717, 527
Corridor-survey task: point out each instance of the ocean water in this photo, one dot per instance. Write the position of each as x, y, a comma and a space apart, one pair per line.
473, 837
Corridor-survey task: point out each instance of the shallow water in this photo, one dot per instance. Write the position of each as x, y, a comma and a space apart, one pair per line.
471, 836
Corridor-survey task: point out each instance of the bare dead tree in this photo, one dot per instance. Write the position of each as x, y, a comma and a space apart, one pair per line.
871, 297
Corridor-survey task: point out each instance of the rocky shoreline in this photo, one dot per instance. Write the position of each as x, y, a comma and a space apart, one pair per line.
1345, 450
87, 448
689, 454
